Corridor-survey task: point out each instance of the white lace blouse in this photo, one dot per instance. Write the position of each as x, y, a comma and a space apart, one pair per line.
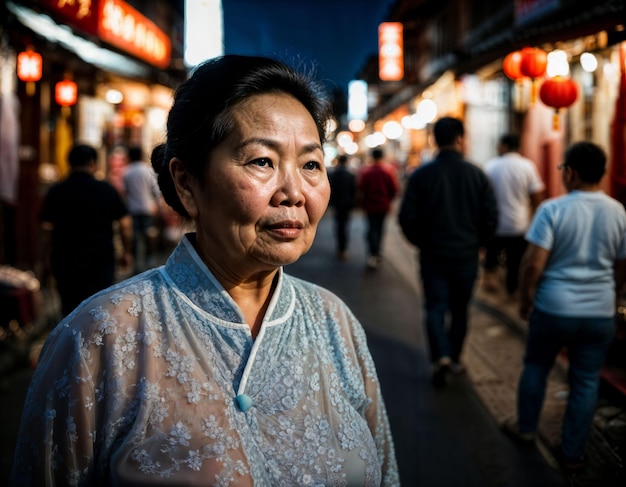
157, 381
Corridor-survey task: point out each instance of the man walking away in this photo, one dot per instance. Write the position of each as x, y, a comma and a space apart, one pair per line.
519, 190
377, 186
77, 218
342, 199
574, 266
448, 211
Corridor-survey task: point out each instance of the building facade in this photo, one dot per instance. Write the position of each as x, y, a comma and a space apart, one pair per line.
123, 58
454, 52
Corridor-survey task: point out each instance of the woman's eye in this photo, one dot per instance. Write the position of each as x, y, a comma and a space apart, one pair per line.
312, 165
262, 162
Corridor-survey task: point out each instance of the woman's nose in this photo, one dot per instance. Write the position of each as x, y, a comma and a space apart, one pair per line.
289, 191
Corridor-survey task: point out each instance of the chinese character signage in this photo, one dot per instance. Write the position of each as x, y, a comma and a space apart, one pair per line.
115, 22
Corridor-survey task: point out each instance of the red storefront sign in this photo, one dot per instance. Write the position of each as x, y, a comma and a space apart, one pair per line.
122, 26
115, 22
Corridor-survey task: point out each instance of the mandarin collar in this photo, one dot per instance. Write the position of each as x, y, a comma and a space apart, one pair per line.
188, 272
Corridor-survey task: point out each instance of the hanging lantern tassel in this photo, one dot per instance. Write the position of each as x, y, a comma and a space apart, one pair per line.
556, 120
558, 92
533, 91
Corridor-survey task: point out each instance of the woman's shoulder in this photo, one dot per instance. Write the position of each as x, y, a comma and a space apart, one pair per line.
126, 298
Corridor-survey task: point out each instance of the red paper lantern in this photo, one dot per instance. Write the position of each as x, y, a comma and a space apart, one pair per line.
29, 68
66, 93
558, 92
512, 65
534, 64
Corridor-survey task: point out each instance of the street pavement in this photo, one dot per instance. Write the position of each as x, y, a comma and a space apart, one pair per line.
447, 437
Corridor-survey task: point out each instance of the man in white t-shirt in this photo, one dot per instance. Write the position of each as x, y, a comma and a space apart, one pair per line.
574, 266
519, 190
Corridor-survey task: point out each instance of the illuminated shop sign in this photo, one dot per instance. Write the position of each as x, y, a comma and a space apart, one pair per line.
124, 27
119, 24
390, 51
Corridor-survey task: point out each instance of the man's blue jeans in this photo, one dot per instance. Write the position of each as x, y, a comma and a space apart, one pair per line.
587, 341
448, 289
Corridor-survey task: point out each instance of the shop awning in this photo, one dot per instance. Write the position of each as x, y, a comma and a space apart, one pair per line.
88, 51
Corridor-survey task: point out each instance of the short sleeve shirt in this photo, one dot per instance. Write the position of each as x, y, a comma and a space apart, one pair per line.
585, 233
514, 178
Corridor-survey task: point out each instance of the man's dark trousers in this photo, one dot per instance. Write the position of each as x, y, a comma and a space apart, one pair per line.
448, 287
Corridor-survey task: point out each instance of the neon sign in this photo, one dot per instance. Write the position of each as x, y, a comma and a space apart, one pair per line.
119, 24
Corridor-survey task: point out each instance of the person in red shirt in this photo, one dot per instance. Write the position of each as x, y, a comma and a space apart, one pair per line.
378, 186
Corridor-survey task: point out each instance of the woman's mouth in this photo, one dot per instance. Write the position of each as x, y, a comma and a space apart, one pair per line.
286, 229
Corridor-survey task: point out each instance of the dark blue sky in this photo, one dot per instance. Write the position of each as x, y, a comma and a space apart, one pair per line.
334, 36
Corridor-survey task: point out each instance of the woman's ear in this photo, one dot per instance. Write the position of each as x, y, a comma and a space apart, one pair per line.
183, 182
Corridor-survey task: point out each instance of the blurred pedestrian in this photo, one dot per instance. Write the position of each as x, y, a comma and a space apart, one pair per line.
519, 190
218, 368
343, 200
117, 163
143, 200
77, 220
448, 211
573, 268
377, 187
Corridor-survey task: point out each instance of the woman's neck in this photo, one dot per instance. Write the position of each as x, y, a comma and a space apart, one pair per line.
251, 291
253, 300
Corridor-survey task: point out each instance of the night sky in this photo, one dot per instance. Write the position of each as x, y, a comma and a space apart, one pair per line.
333, 37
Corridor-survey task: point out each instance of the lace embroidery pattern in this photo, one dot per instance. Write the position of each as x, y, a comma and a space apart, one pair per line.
140, 382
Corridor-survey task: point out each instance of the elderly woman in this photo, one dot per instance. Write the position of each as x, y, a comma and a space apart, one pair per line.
218, 368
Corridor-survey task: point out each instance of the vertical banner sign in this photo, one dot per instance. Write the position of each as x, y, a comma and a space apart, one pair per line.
390, 51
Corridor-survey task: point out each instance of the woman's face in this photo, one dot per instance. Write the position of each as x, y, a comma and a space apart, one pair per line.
265, 188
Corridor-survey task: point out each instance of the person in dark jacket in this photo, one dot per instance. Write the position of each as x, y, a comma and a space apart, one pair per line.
343, 200
377, 186
449, 212
77, 217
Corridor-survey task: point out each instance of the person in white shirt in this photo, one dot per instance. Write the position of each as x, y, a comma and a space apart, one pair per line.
142, 198
571, 272
519, 190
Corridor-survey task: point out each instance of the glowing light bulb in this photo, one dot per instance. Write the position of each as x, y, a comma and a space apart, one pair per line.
588, 62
